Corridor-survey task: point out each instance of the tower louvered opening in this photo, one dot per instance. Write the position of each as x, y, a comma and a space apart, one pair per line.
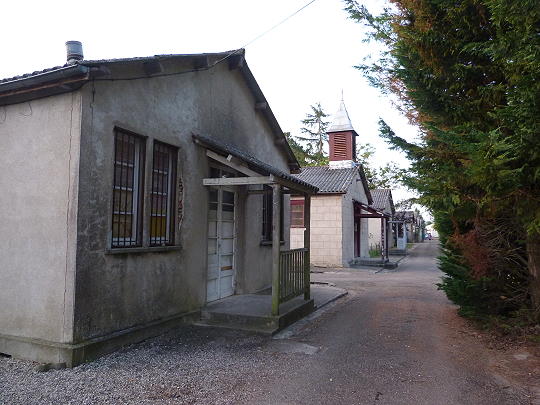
341, 146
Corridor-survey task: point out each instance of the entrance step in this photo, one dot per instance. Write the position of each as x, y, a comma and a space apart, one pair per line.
397, 252
373, 262
252, 312
260, 324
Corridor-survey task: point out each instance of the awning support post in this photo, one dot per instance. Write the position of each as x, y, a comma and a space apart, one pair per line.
388, 233
276, 207
383, 238
307, 236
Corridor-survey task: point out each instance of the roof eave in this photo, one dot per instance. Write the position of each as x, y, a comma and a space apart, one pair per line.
392, 206
343, 130
62, 80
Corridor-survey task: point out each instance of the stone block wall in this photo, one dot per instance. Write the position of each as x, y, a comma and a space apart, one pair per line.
326, 231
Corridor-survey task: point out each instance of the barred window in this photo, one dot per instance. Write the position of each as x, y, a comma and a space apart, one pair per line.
129, 151
297, 213
162, 199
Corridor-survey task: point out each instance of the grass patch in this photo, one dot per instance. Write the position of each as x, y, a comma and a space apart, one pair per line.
375, 250
374, 253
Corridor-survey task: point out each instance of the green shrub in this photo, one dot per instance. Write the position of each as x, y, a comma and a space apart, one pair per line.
498, 295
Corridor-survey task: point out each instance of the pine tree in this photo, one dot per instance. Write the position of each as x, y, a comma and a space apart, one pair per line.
299, 152
314, 133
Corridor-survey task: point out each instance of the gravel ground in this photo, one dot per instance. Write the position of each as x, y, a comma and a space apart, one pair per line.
186, 366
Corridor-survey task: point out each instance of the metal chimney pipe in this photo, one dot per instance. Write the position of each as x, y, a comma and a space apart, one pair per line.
74, 51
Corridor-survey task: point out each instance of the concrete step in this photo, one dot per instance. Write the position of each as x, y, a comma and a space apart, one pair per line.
368, 261
252, 313
373, 262
261, 324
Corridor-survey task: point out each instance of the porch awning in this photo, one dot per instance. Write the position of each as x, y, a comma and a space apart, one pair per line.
258, 172
373, 213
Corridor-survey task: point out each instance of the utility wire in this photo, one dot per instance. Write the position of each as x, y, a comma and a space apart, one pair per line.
226, 56
267, 31
279, 23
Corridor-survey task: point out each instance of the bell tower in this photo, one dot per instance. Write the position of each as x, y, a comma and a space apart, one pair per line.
342, 139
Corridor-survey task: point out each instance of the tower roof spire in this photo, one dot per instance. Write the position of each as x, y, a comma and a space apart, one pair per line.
341, 120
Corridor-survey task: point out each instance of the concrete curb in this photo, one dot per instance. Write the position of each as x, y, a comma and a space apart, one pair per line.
296, 327
323, 283
325, 294
395, 268
344, 293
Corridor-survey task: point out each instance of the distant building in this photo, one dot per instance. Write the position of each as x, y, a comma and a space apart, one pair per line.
414, 225
381, 231
339, 233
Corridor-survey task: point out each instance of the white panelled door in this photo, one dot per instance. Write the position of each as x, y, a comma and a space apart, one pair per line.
221, 235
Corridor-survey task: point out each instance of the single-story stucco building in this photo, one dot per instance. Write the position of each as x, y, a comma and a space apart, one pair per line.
339, 231
139, 190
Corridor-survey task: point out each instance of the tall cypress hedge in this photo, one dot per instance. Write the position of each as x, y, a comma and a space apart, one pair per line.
467, 72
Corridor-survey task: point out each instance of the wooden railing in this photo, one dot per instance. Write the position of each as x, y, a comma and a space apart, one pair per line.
293, 274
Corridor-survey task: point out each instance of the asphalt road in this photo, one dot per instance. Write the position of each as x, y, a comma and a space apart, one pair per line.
394, 339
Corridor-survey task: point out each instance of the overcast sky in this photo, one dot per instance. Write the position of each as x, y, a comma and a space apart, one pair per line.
310, 58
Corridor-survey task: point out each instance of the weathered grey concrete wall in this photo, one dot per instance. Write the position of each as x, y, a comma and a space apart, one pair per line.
39, 145
118, 291
355, 192
254, 273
